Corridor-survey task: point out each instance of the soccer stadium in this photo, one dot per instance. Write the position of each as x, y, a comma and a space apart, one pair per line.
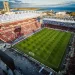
35, 43
47, 46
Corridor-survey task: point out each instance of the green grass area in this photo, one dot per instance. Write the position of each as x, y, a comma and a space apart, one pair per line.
47, 46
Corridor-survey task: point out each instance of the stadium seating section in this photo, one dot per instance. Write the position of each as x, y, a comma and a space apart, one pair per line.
11, 31
60, 27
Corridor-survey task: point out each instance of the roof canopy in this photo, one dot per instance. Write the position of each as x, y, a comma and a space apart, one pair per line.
7, 60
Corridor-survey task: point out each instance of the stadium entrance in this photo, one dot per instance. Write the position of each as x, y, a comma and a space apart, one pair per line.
17, 31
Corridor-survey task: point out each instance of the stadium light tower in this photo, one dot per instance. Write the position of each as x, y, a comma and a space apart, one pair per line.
6, 6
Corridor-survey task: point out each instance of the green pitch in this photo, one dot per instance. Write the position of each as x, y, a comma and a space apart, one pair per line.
47, 46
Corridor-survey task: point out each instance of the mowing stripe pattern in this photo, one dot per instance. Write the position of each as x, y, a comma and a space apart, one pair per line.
47, 46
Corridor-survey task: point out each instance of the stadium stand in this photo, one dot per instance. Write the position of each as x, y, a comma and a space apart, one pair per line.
60, 27
59, 24
71, 67
17, 25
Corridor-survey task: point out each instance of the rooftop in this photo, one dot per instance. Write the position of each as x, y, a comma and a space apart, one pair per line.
68, 20
5, 18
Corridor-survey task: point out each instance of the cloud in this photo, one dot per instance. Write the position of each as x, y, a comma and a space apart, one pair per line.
18, 1
40, 2
4, 0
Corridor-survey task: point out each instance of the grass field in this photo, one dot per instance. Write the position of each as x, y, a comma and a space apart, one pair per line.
47, 46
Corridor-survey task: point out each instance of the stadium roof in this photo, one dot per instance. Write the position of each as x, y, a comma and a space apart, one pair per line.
7, 60
5, 18
59, 20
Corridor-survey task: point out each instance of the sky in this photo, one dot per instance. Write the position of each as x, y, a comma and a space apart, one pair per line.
41, 2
